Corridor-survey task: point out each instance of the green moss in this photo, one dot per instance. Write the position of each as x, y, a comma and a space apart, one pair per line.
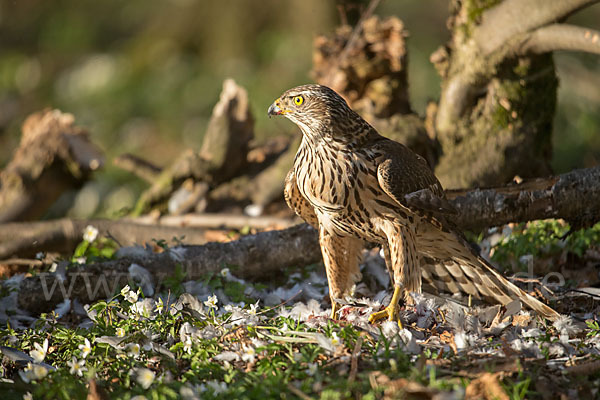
474, 9
518, 111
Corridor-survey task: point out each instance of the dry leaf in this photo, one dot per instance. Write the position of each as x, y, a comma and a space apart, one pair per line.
448, 338
487, 386
521, 320
400, 388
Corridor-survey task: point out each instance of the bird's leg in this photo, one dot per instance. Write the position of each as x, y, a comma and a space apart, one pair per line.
335, 307
341, 256
391, 311
401, 253
388, 262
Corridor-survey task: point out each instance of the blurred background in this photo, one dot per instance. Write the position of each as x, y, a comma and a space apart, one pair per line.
143, 75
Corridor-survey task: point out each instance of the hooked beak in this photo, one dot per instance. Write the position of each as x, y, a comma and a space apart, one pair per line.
274, 109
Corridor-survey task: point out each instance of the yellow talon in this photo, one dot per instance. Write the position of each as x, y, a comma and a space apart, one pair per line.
391, 311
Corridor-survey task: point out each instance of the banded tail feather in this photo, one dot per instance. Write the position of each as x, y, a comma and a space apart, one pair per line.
456, 267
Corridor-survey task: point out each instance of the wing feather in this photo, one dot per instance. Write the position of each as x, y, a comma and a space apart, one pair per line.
406, 177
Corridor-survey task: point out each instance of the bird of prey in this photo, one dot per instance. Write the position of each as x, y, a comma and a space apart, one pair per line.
355, 186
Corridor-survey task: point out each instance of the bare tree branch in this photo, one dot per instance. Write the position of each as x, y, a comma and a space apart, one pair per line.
138, 166
513, 17
28, 238
217, 221
455, 98
62, 235
357, 30
559, 37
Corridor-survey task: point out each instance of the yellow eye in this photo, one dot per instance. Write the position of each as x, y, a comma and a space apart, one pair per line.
298, 100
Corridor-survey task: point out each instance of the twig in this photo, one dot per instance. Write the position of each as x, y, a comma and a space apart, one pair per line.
22, 262
357, 31
137, 166
281, 304
354, 360
228, 321
351, 43
298, 392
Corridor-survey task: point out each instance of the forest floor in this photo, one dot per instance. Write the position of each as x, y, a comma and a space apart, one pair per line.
226, 337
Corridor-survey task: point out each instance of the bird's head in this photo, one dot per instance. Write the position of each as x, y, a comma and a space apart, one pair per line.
318, 111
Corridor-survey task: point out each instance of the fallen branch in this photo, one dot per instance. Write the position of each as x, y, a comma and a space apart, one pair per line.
28, 238
217, 221
251, 257
574, 196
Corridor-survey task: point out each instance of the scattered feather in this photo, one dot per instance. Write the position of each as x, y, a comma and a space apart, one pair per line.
143, 278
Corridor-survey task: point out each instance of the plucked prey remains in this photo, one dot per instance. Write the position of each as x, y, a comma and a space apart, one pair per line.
356, 186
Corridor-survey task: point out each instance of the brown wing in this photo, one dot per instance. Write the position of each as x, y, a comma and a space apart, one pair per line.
406, 177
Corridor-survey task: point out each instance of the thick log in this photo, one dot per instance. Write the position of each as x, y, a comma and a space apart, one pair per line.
574, 196
251, 257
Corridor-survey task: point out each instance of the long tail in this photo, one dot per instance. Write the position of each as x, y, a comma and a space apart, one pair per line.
449, 263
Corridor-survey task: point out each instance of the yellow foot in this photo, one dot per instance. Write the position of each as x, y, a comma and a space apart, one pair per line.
391, 311
335, 307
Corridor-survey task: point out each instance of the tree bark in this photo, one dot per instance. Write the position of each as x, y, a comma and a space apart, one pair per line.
496, 109
54, 155
574, 196
251, 257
